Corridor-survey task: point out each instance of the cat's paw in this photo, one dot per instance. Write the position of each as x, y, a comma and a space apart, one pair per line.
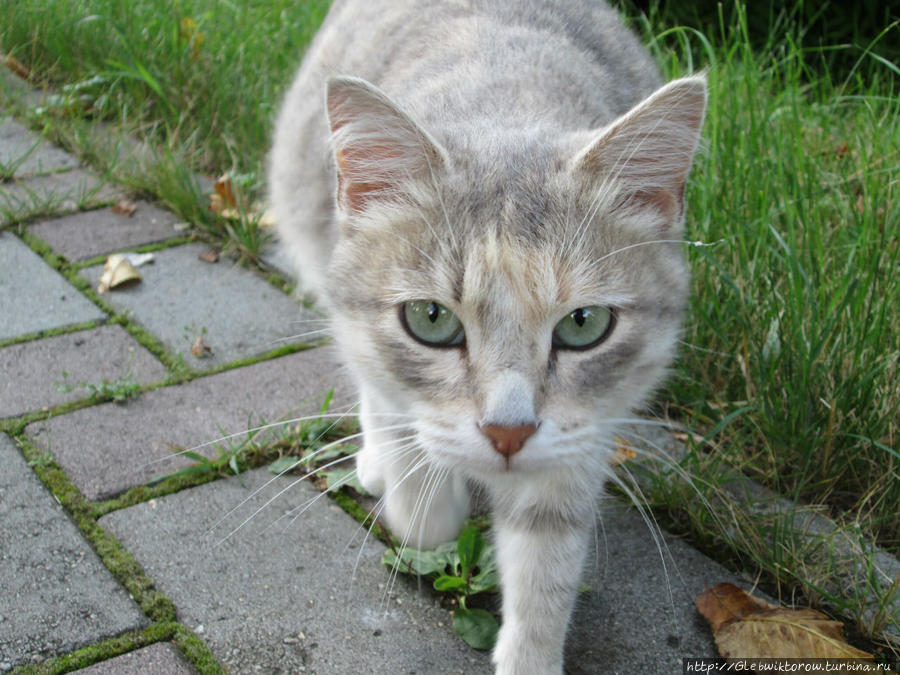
510, 657
370, 471
423, 513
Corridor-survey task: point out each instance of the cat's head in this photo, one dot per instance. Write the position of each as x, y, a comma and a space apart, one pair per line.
515, 291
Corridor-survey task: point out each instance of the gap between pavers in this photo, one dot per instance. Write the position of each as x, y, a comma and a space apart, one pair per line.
286, 595
108, 448
236, 312
88, 234
44, 373
161, 659
33, 296
56, 594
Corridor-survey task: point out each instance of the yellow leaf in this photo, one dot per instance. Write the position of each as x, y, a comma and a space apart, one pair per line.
748, 627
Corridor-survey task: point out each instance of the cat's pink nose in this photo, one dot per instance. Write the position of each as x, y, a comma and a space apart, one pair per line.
508, 440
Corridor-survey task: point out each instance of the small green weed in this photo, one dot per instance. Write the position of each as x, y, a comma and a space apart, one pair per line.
462, 568
119, 390
237, 452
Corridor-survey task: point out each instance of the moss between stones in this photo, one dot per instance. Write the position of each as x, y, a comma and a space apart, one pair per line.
145, 248
51, 332
118, 560
190, 645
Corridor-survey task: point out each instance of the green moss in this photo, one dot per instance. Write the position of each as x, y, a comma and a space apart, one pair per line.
197, 652
87, 656
192, 647
50, 332
118, 560
146, 248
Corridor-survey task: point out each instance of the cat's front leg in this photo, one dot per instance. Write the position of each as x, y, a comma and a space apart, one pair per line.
540, 571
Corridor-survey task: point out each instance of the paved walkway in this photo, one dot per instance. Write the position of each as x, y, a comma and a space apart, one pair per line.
146, 584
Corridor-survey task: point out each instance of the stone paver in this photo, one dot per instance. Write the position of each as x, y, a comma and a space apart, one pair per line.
302, 594
33, 296
293, 597
109, 448
62, 192
238, 313
88, 234
157, 659
27, 153
34, 372
56, 594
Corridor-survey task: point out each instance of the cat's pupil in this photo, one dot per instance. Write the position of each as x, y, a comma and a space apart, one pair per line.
579, 317
433, 312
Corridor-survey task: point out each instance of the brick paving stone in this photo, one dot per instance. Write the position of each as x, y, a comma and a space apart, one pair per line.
157, 659
237, 313
33, 296
56, 594
33, 371
109, 448
301, 596
59, 192
88, 234
28, 153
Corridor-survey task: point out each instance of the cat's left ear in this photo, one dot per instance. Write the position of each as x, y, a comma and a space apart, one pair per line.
377, 146
646, 154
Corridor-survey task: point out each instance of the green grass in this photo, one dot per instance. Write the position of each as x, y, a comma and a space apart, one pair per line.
789, 366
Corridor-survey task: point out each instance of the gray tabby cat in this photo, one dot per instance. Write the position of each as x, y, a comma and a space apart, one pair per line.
487, 196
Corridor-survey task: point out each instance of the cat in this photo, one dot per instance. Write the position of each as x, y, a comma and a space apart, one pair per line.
487, 197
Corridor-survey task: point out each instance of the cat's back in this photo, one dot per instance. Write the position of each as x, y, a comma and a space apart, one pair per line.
437, 56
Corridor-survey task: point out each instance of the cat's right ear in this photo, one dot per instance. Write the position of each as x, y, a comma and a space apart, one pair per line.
647, 152
377, 147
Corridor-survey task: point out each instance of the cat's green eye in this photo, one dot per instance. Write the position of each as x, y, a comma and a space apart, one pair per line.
584, 328
432, 324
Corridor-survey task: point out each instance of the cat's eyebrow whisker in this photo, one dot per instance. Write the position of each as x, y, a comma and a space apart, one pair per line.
319, 331
698, 348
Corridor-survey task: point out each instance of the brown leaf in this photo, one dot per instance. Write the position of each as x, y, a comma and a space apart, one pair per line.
216, 205
624, 452
125, 208
225, 189
749, 627
17, 67
209, 256
200, 349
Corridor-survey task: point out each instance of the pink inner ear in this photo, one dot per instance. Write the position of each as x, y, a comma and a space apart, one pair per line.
667, 203
355, 187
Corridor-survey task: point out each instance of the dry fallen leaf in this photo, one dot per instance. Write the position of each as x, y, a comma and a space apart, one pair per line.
624, 452
117, 271
225, 189
17, 67
209, 256
125, 208
749, 627
200, 349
